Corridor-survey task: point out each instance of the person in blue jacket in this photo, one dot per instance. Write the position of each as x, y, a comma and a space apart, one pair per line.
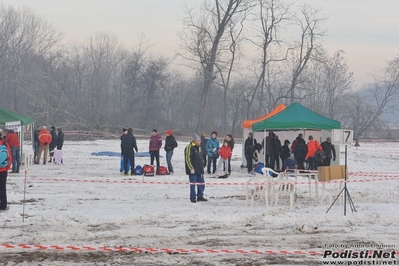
212, 148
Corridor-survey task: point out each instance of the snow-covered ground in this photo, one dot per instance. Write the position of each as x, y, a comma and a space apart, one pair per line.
108, 212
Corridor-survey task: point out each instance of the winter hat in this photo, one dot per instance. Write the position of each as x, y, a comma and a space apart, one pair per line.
287, 141
328, 139
53, 127
44, 127
124, 129
195, 137
169, 132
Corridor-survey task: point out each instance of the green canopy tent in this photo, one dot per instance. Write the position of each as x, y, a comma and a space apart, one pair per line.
9, 116
296, 117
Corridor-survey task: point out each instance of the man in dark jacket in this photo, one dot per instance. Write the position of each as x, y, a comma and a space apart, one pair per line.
285, 154
300, 151
328, 148
170, 145
53, 143
195, 168
204, 140
36, 140
248, 155
128, 143
60, 139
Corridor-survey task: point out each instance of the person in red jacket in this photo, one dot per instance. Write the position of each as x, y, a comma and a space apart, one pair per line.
3, 180
12, 139
44, 141
313, 147
224, 153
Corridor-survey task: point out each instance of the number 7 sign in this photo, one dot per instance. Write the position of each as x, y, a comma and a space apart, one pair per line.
342, 137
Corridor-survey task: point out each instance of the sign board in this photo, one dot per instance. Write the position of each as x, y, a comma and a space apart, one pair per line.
16, 126
342, 137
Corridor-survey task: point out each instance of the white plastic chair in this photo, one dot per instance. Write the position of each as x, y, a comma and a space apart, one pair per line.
333, 188
287, 187
258, 186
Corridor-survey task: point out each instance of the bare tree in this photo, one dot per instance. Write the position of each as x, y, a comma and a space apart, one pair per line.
24, 37
382, 96
267, 23
327, 80
304, 48
205, 41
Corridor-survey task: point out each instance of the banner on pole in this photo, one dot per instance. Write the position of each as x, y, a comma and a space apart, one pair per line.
15, 125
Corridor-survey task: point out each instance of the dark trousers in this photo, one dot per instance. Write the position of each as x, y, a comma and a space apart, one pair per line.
249, 163
3, 191
313, 163
155, 155
327, 161
267, 160
275, 162
211, 161
204, 158
128, 155
36, 150
299, 162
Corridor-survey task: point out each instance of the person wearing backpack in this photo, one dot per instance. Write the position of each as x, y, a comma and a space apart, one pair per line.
5, 164
44, 141
313, 147
328, 148
170, 145
12, 140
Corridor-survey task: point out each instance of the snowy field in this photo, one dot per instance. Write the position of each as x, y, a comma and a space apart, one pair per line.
123, 212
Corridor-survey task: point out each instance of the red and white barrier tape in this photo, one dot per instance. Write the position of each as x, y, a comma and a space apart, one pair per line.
382, 178
159, 250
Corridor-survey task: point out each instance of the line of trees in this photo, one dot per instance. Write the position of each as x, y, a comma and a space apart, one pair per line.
241, 58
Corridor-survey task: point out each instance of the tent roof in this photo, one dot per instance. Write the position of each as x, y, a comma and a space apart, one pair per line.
296, 116
8, 116
249, 123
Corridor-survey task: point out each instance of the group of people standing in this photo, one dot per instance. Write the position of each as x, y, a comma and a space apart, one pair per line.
46, 142
211, 151
307, 152
203, 153
301, 151
129, 149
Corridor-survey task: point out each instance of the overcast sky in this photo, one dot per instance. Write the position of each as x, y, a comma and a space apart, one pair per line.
367, 30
